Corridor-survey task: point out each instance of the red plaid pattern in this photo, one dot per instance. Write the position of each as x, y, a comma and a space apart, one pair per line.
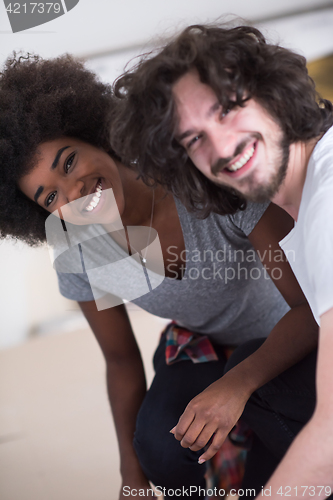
226, 469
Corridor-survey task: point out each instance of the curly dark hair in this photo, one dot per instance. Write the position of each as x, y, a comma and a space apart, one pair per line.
235, 62
42, 100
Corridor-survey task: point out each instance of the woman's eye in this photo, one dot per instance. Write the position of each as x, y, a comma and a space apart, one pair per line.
50, 198
69, 162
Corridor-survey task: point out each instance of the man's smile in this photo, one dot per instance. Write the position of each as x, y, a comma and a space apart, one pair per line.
242, 160
239, 165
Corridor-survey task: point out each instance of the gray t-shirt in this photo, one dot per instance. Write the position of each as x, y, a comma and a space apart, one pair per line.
225, 291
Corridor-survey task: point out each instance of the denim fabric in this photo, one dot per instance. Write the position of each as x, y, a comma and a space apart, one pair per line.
161, 456
276, 412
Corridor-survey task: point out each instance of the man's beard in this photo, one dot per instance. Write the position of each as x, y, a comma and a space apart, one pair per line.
260, 193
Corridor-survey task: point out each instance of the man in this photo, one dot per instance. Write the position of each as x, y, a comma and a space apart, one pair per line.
247, 115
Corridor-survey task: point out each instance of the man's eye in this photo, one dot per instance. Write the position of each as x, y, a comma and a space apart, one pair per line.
69, 162
193, 141
228, 108
224, 112
50, 198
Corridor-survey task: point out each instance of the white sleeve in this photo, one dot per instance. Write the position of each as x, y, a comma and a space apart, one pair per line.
319, 247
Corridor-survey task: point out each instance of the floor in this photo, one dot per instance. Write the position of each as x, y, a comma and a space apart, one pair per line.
57, 440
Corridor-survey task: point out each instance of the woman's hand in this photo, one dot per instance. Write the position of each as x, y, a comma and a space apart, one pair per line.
212, 414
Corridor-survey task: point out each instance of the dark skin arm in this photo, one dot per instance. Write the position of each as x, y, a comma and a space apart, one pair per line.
126, 382
216, 410
296, 334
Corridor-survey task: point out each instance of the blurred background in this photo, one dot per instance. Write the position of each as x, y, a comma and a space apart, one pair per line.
56, 434
108, 35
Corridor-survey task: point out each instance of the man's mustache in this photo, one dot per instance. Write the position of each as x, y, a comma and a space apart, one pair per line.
221, 163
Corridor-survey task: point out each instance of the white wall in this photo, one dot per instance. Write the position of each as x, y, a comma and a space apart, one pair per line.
29, 294
310, 34
100, 25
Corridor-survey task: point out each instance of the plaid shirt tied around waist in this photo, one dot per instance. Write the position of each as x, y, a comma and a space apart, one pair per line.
182, 344
226, 468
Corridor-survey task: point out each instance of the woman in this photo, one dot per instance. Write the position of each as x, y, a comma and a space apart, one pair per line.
54, 125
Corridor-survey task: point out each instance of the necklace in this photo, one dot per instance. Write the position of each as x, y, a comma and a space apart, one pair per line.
143, 259
130, 246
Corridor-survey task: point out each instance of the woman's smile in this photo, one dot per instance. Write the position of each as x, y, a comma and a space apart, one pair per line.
68, 170
96, 198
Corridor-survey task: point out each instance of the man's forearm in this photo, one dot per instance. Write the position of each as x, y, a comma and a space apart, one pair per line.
309, 460
306, 470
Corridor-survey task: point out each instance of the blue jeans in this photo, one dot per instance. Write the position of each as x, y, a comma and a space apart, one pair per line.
276, 412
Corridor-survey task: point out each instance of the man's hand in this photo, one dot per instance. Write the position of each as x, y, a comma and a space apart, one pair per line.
211, 415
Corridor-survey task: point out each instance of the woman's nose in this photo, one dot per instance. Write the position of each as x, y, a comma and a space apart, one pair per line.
74, 190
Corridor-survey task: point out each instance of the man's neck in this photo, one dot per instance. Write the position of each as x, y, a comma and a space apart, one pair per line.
290, 193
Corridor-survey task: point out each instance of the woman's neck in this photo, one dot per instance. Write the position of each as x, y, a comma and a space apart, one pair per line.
137, 198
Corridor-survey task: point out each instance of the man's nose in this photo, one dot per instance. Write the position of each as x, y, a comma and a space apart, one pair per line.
223, 143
